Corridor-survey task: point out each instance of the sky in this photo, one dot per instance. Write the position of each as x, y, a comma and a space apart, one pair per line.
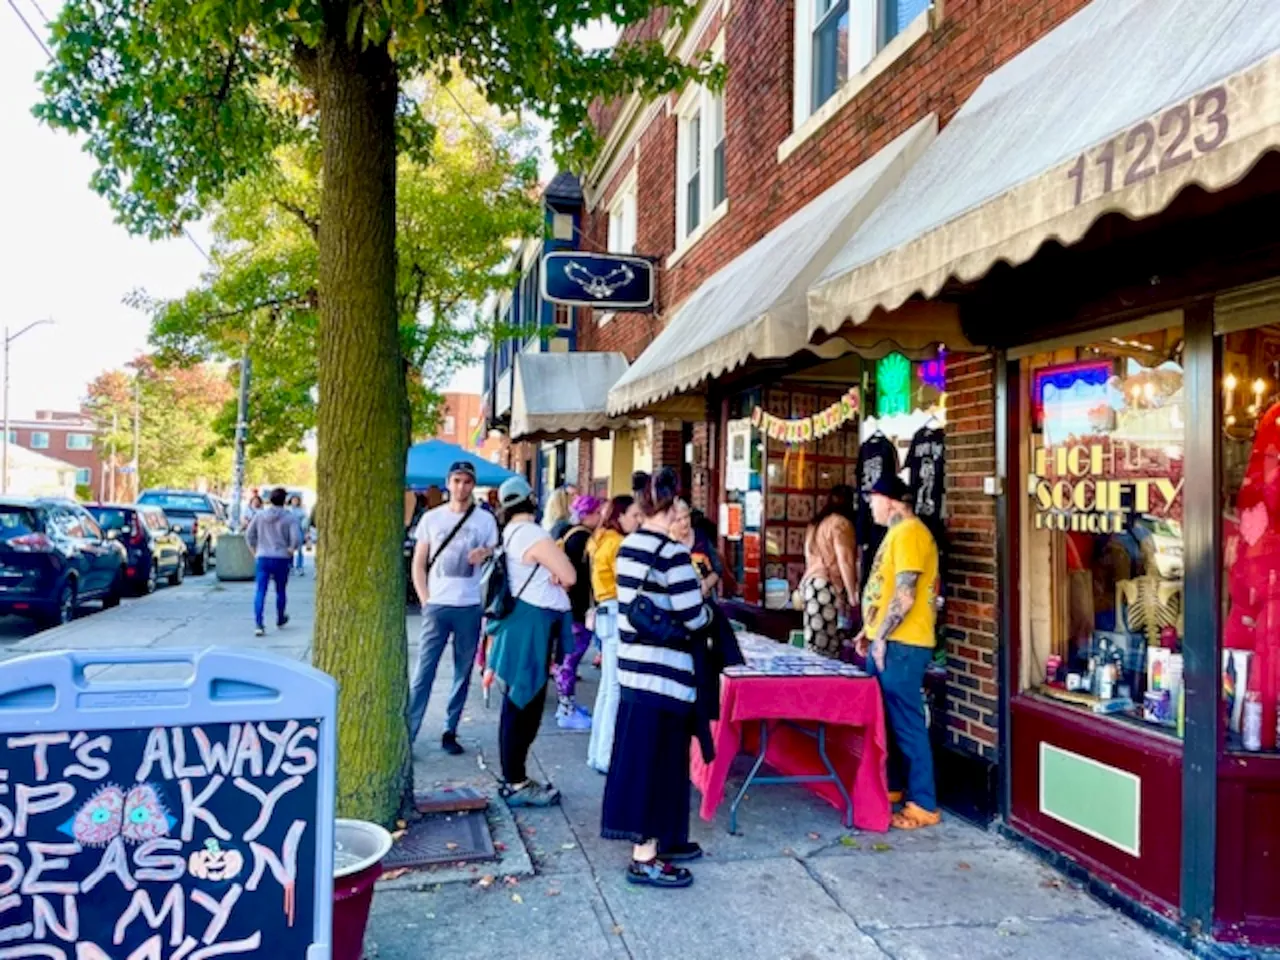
61, 253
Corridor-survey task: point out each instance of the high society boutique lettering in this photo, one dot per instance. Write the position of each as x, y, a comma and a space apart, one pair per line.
1074, 489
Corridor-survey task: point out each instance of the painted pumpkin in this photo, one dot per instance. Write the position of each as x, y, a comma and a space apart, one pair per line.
214, 863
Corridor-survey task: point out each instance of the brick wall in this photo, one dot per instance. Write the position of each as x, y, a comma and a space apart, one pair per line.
971, 618
935, 76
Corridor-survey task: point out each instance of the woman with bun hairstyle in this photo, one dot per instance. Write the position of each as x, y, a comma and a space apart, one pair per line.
646, 796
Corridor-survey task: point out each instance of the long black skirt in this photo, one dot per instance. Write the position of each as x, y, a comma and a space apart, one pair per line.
646, 796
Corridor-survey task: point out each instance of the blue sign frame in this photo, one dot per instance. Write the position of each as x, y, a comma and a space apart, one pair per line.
141, 795
603, 281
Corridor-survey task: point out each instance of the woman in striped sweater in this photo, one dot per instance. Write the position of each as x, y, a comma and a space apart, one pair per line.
646, 798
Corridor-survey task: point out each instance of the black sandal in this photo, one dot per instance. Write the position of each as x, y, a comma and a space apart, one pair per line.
656, 873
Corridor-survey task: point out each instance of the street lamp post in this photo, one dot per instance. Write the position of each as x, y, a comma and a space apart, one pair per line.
4, 456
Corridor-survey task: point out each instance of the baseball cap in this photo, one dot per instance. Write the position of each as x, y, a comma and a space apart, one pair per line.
464, 467
891, 485
514, 490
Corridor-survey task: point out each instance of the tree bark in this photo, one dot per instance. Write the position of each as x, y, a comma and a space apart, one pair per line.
360, 615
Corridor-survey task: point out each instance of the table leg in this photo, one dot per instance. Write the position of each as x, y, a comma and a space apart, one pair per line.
835, 778
755, 769
753, 776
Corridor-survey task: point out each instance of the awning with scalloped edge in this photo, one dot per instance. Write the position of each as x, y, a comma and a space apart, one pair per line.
1118, 109
562, 395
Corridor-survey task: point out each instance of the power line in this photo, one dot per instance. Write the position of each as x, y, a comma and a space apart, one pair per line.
49, 53
31, 30
41, 12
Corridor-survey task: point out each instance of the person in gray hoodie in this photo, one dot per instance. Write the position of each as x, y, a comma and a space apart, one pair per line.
273, 536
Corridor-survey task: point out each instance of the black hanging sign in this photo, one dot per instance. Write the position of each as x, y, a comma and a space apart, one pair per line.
605, 281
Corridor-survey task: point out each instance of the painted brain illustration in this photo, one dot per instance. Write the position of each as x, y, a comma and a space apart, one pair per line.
145, 817
98, 821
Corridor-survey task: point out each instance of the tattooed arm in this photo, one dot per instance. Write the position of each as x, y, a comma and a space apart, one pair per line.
904, 598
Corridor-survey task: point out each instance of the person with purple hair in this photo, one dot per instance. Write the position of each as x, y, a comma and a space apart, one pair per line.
585, 513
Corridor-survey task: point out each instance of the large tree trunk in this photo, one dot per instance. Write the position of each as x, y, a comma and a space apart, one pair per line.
360, 614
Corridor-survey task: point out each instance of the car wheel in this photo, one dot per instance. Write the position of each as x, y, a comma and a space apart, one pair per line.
65, 611
201, 562
179, 573
153, 579
112, 596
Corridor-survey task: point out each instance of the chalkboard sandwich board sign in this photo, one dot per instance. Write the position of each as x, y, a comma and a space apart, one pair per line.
166, 820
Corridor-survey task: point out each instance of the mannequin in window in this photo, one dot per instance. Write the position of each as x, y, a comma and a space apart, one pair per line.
1252, 553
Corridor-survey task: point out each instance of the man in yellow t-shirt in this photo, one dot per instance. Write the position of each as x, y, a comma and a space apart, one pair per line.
898, 621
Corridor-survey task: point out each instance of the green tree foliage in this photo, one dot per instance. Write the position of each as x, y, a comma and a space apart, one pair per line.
455, 217
177, 443
179, 100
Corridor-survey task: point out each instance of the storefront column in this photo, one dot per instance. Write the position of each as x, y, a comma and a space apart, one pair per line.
1201, 670
1006, 388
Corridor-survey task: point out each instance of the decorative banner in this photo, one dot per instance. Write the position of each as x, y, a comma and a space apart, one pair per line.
805, 429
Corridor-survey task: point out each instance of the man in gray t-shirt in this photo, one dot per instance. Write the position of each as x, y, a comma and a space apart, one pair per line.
453, 540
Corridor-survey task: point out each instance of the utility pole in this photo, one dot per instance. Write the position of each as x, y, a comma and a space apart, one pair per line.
137, 432
242, 430
4, 457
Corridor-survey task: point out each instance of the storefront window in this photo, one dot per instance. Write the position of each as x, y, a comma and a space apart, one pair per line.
1102, 565
1250, 458
742, 520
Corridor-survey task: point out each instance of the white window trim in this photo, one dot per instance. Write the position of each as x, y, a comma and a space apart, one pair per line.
627, 190
39, 433
805, 122
691, 241
696, 100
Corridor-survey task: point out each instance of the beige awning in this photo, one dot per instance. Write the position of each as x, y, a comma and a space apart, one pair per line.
1057, 137
560, 395
754, 307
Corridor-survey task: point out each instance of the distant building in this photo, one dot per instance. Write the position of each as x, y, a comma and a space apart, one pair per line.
33, 474
462, 421
68, 437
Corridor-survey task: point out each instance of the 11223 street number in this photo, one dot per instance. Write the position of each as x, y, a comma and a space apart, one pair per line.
1198, 126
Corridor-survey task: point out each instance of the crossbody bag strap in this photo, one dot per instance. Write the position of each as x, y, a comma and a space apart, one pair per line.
449, 539
532, 573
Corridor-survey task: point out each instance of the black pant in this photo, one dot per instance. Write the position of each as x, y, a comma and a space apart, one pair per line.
516, 732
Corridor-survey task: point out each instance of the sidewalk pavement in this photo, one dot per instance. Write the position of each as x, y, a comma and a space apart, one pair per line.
794, 884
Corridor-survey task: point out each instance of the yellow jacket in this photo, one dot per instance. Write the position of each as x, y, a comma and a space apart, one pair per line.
603, 550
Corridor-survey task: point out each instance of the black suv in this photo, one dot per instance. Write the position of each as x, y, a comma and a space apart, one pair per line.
153, 548
197, 519
54, 556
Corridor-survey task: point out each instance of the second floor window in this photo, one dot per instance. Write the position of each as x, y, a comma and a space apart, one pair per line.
79, 441
622, 219
700, 154
838, 38
450, 426
39, 440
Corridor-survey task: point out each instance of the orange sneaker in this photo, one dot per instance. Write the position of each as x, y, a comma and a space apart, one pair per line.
913, 817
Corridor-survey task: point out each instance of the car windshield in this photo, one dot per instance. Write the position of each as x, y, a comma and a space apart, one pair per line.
16, 522
111, 519
177, 502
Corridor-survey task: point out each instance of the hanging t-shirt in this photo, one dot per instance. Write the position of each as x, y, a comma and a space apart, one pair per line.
926, 461
876, 457
454, 581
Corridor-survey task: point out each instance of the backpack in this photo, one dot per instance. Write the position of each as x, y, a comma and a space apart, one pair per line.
563, 542
496, 597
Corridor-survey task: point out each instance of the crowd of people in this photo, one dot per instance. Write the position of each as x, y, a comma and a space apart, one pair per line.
640, 575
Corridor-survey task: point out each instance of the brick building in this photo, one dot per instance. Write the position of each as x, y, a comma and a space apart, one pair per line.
462, 422
1038, 229
67, 436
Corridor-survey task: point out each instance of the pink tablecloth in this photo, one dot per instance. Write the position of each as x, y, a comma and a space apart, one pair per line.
856, 739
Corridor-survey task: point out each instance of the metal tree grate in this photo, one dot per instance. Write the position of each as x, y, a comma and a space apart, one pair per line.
443, 838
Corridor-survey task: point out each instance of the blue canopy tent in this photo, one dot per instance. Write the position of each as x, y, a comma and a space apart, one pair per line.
428, 464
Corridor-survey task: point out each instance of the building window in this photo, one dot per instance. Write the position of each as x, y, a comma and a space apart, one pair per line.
622, 219
700, 160
13, 436
1102, 564
450, 426
835, 39
39, 440
474, 422
84, 477
562, 317
79, 441
1247, 438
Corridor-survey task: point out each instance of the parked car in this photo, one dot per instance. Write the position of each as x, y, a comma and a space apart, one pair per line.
53, 557
154, 550
197, 520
